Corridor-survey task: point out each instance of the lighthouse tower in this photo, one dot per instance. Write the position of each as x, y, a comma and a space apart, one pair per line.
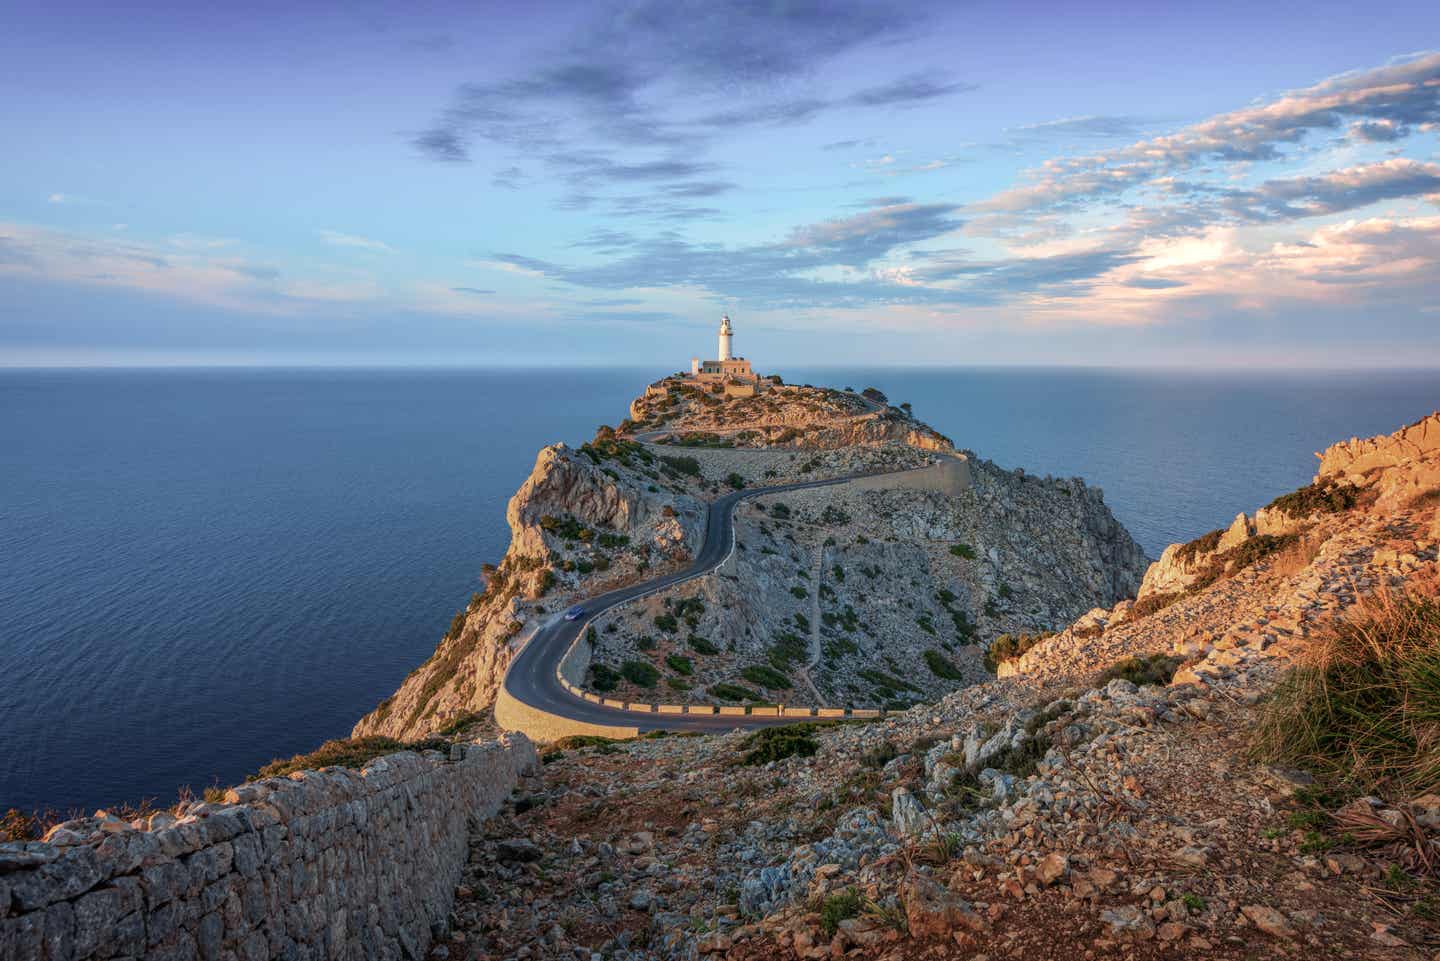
725, 335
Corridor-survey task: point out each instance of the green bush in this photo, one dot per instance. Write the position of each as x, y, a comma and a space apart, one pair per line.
766, 677
688, 466
788, 650
603, 678
667, 623
941, 666
1326, 496
700, 645
733, 692
963, 550
639, 673
777, 743
1151, 603
841, 906
735, 480
799, 592
680, 664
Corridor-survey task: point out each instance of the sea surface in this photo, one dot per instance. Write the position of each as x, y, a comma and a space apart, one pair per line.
201, 570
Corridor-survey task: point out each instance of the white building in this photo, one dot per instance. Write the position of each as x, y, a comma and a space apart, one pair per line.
730, 370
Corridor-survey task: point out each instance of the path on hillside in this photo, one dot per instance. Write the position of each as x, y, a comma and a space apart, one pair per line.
531, 677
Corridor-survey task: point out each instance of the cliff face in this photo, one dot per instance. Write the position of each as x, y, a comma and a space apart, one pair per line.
583, 522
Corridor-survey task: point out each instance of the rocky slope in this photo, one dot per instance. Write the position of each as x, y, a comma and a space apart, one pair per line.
872, 596
931, 573
1104, 800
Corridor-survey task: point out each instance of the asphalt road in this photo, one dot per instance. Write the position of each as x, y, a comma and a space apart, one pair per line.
531, 676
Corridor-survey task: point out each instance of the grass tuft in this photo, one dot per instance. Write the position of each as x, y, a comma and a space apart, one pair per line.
1365, 708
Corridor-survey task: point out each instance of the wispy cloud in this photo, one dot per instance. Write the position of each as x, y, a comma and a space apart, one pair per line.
336, 238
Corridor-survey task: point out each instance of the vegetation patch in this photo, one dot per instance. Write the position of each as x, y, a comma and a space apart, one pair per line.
766, 677
1326, 496
788, 650
1007, 647
941, 666
700, 645
777, 743
680, 664
1203, 544
639, 673
688, 466
733, 692
604, 678
963, 550
1151, 603
839, 907
1148, 669
353, 752
1364, 710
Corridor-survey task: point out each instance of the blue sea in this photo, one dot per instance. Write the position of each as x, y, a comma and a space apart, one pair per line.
201, 570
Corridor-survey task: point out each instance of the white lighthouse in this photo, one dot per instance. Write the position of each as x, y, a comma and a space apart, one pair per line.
725, 335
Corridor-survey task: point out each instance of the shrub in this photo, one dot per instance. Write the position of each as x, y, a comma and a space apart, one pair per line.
777, 743
766, 677
735, 480
1151, 603
963, 550
575, 742
352, 752
678, 684
799, 592
1326, 496
1203, 544
639, 673
700, 645
839, 907
1148, 669
667, 623
941, 666
603, 678
733, 692
1363, 708
680, 664
780, 511
789, 649
688, 466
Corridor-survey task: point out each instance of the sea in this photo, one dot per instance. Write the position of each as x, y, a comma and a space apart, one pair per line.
205, 569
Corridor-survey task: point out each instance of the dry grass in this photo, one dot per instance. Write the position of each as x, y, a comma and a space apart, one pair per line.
1365, 708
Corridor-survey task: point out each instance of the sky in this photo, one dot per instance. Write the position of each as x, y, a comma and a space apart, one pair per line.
487, 183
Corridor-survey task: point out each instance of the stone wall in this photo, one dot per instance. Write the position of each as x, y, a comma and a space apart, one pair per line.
323, 864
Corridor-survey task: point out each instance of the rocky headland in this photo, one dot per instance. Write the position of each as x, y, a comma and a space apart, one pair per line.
878, 593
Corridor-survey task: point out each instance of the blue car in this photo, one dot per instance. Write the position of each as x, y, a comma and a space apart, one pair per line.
575, 613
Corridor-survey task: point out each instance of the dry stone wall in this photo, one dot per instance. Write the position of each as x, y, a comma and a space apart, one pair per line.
323, 864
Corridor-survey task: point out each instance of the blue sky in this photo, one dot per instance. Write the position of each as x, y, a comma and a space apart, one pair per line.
495, 183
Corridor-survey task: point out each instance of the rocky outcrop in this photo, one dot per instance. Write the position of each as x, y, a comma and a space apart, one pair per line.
322, 864
1417, 442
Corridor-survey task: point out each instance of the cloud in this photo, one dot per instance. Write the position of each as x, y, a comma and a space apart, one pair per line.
1088, 126
1337, 191
478, 291
337, 239
615, 84
849, 144
1404, 93
826, 263
59, 199
908, 91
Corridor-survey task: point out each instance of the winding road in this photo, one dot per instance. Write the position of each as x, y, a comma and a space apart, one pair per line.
531, 677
